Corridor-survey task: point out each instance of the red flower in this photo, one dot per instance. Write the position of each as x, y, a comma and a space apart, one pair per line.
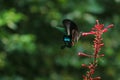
97, 31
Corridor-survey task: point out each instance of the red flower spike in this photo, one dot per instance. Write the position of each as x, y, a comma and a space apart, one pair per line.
97, 31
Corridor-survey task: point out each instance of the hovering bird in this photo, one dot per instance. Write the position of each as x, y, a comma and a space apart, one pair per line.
71, 35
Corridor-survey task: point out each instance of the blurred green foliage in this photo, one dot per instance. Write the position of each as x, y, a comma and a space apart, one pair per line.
30, 43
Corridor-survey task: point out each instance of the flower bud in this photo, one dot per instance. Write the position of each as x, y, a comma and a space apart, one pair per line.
82, 54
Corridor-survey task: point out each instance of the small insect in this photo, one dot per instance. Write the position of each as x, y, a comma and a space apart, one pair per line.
72, 34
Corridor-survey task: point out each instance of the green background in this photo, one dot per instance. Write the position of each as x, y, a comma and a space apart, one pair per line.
30, 40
